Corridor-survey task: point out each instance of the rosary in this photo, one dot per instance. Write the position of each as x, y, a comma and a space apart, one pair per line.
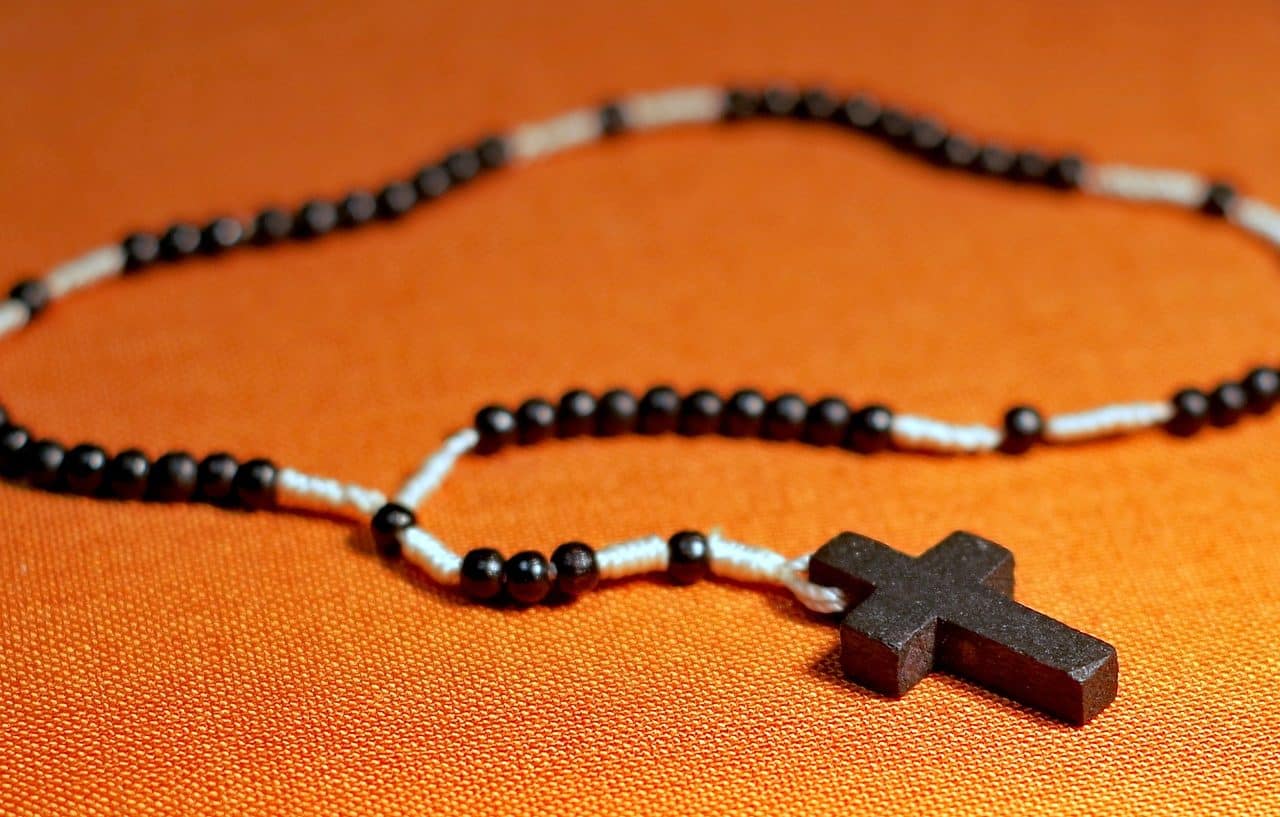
950, 609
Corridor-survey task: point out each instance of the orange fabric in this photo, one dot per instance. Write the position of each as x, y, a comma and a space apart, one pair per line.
187, 660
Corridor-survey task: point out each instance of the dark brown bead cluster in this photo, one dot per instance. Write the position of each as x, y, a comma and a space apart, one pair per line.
89, 470
829, 421
1257, 393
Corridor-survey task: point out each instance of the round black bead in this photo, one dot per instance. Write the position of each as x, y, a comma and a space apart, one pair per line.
1218, 199
958, 152
220, 235
575, 569
387, 525
527, 576
481, 575
870, 429
315, 218
14, 440
1023, 427
778, 101
83, 469
741, 103
356, 208
612, 122
994, 160
827, 422
179, 241
271, 225
1190, 412
254, 486
463, 165
432, 182
215, 478
140, 250
927, 136
816, 104
576, 414
688, 557
396, 199
497, 427
785, 416
744, 414
492, 152
659, 411
126, 476
895, 125
44, 464
1066, 172
173, 477
1029, 166
1263, 387
1227, 404
535, 421
700, 413
32, 294
861, 112
616, 413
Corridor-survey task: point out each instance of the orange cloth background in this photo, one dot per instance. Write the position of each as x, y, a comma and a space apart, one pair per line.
186, 660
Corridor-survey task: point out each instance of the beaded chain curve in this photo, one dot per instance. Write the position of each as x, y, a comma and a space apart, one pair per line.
575, 567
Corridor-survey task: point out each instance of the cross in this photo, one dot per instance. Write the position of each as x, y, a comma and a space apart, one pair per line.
952, 609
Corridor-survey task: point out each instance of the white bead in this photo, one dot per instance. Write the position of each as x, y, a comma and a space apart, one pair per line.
927, 434
567, 131
1146, 184
1106, 421
88, 269
678, 106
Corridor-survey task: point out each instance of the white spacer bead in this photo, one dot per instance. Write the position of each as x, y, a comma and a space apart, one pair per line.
307, 490
435, 468
13, 316
643, 555
1146, 184
1257, 217
927, 434
430, 554
1106, 421
88, 269
679, 106
567, 131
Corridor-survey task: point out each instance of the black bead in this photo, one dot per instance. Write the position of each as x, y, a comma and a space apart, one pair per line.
612, 122
700, 413
315, 218
744, 414
14, 440
576, 414
1023, 427
221, 234
827, 422
958, 152
535, 421
1066, 172
785, 416
1218, 199
616, 413
1190, 412
481, 575
741, 103
463, 165
688, 557
31, 293
43, 464
271, 225
870, 429
659, 411
778, 101
432, 182
1029, 166
926, 137
1263, 387
387, 525
492, 152
126, 476
179, 241
396, 199
215, 478
861, 112
173, 477
575, 569
497, 428
1227, 404
994, 160
356, 208
816, 104
527, 576
254, 486
83, 469
140, 250
895, 125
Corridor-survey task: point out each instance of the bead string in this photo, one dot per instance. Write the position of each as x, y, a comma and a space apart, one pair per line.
528, 577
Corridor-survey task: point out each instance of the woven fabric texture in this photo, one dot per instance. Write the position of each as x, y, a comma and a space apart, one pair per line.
186, 660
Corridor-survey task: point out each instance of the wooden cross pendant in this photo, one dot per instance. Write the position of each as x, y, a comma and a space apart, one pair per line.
952, 609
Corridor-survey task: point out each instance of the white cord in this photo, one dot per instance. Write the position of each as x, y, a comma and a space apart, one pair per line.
435, 468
